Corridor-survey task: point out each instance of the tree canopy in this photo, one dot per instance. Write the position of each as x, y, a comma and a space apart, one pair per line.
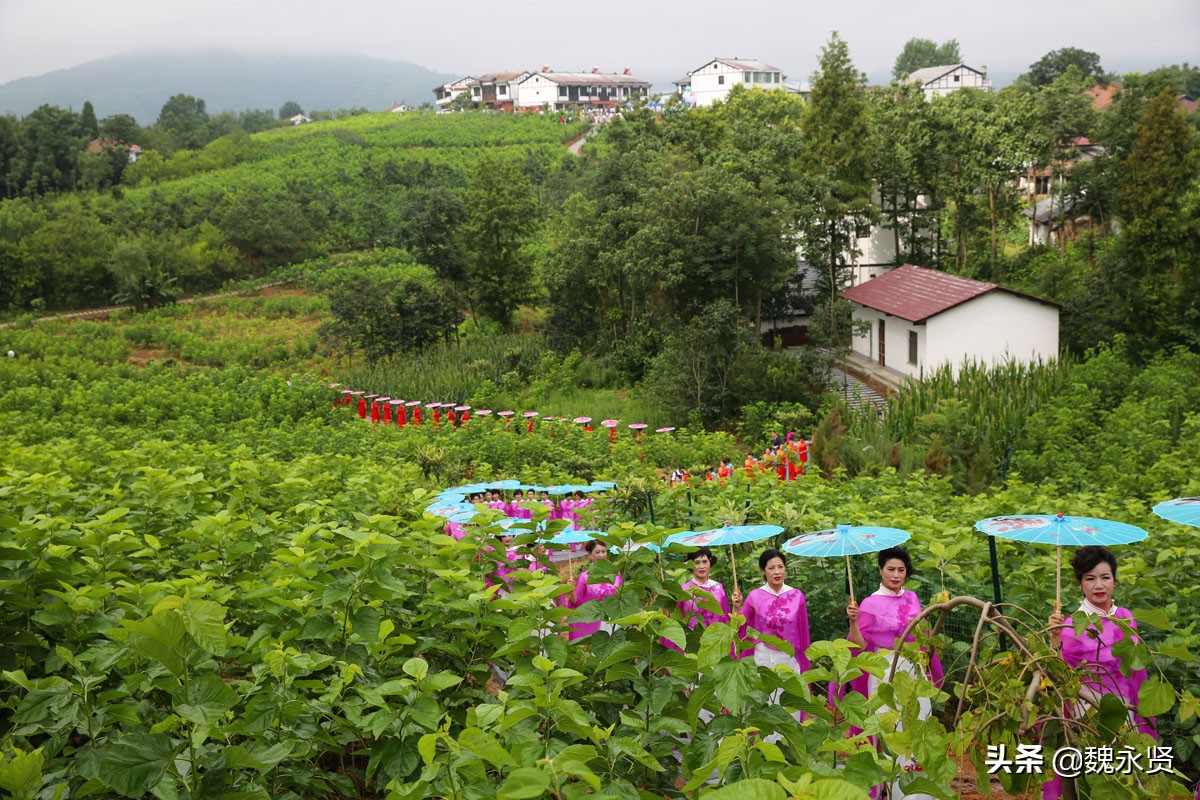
920, 53
1055, 63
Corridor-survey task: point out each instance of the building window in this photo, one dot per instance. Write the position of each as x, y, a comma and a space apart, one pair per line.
957, 78
912, 348
720, 80
503, 88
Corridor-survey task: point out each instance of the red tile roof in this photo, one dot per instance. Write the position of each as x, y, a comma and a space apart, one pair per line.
916, 294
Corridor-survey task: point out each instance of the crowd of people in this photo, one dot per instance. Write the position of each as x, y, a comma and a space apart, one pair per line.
777, 612
787, 458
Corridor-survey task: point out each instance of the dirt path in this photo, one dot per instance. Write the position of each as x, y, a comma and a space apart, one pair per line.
102, 313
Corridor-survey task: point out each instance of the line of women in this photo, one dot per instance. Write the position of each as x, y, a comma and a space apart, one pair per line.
879, 621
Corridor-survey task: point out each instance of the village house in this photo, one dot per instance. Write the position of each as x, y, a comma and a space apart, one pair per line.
132, 151
444, 95
595, 89
498, 90
712, 82
941, 81
920, 319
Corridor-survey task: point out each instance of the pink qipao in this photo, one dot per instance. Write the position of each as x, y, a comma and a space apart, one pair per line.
586, 592
882, 617
1091, 653
784, 616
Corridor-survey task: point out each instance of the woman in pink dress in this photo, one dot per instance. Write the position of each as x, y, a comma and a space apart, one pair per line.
703, 587
877, 625
778, 610
1091, 652
586, 591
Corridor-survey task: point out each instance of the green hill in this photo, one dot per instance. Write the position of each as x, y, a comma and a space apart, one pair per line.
139, 83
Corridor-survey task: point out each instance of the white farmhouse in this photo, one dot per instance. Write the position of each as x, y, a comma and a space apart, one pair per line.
713, 81
921, 319
444, 95
595, 89
941, 81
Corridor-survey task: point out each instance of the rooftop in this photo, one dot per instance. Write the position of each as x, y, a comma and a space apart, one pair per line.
916, 294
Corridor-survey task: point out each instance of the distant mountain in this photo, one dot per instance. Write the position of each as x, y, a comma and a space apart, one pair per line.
139, 83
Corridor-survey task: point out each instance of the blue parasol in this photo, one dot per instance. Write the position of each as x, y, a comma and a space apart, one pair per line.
447, 509
1181, 509
602, 486
1060, 530
571, 536
730, 535
846, 540
507, 484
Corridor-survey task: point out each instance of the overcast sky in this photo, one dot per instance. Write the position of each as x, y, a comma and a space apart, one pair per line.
654, 38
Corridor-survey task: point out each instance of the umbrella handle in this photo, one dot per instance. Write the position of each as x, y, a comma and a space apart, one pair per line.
849, 578
733, 565
1058, 581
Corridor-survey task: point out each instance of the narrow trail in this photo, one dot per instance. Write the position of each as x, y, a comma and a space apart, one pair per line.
102, 313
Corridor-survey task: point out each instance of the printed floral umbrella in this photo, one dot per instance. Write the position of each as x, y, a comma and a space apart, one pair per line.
582, 420
846, 540
664, 430
1181, 509
730, 535
483, 412
1061, 531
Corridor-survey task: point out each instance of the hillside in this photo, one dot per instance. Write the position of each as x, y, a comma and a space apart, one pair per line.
139, 83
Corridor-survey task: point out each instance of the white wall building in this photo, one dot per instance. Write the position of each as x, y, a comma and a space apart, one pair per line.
559, 90
941, 81
444, 95
713, 81
921, 319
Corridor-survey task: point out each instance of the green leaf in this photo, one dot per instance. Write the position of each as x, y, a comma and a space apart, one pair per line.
21, 776
416, 667
162, 637
205, 621
427, 747
365, 623
1154, 617
752, 789
735, 680
485, 746
207, 700
440, 681
524, 782
716, 643
629, 747
135, 764
1155, 697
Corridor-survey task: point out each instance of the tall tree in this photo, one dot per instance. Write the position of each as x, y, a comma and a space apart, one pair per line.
1158, 200
290, 109
88, 127
185, 120
837, 161
121, 127
920, 53
502, 215
1055, 63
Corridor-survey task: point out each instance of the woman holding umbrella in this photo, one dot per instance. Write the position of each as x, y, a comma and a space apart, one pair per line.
877, 624
778, 610
1096, 570
703, 587
586, 591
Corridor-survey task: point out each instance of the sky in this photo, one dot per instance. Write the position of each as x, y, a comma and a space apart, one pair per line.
655, 39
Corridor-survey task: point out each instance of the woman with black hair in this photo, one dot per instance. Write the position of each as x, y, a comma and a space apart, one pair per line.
778, 610
877, 624
586, 591
1091, 651
703, 587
